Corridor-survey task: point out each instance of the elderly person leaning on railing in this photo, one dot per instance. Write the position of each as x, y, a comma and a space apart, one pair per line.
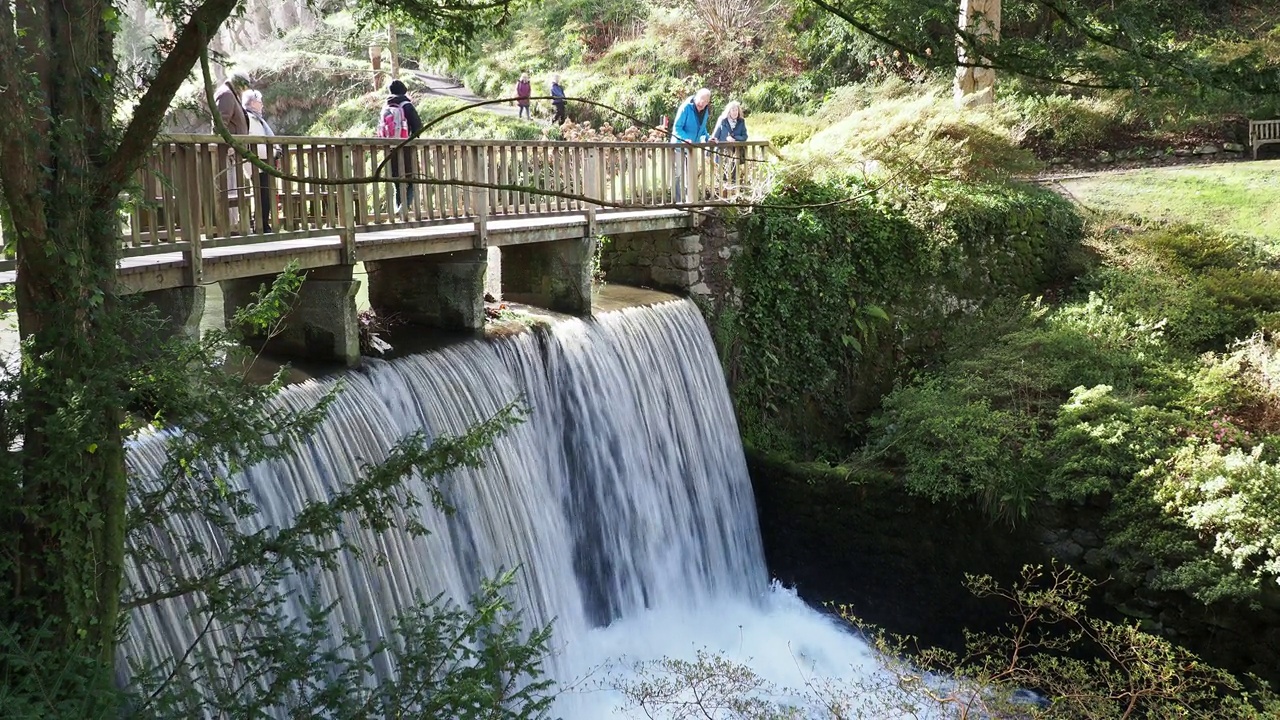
258, 125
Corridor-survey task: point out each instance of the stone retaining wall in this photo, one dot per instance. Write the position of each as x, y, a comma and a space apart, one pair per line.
688, 262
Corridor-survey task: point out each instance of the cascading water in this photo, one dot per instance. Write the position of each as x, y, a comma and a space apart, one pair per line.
623, 498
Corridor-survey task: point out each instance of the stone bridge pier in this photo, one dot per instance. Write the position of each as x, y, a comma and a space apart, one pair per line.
554, 275
445, 290
322, 323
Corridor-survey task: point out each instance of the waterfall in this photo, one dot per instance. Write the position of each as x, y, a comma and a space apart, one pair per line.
623, 498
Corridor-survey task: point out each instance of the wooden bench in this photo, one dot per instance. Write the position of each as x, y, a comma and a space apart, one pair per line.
1263, 132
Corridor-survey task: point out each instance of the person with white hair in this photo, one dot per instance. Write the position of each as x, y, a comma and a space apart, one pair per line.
258, 125
692, 117
690, 127
557, 100
731, 126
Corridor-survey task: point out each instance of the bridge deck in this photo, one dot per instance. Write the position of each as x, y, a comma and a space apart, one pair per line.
156, 271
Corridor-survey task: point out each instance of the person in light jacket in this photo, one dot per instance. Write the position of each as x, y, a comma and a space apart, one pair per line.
226, 101
258, 125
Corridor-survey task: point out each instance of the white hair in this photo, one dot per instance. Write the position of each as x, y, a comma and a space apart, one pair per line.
249, 96
729, 108
704, 93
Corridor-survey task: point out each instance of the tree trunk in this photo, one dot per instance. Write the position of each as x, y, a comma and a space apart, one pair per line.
62, 167
66, 516
975, 80
262, 20
288, 15
393, 47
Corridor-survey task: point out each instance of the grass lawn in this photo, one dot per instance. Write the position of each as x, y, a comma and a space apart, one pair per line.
1242, 198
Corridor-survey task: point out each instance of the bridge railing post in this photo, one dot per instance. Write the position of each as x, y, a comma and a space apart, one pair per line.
593, 175
691, 175
476, 170
340, 165
186, 183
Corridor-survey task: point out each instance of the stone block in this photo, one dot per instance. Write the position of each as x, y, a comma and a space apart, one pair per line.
686, 262
676, 279
321, 324
554, 275
687, 244
180, 310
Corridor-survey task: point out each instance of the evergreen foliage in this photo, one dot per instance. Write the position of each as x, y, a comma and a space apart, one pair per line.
811, 345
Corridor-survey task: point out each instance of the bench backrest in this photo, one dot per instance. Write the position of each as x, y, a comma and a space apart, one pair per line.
1264, 130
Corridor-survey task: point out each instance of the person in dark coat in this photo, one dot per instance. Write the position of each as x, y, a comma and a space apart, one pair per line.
557, 100
731, 127
523, 90
400, 98
227, 101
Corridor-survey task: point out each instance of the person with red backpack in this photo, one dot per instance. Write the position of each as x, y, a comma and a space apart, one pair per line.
399, 120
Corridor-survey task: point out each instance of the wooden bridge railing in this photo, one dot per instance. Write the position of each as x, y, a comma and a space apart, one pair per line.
195, 192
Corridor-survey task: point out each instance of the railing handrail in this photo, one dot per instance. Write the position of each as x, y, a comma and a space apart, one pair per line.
339, 141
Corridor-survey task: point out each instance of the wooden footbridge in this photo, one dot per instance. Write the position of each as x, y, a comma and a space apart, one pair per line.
424, 217
199, 213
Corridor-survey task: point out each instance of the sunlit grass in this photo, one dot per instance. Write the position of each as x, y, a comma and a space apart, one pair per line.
1238, 198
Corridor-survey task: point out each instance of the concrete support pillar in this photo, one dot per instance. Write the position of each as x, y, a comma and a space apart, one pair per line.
322, 325
493, 274
180, 309
444, 290
553, 275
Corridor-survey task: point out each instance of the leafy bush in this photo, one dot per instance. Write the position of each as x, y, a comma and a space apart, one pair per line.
923, 136
1229, 495
807, 349
1060, 123
781, 129
1210, 288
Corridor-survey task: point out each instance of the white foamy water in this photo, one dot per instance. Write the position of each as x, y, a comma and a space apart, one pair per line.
624, 499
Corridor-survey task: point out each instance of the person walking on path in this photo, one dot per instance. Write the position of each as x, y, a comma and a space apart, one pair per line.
258, 125
405, 123
523, 90
690, 127
557, 100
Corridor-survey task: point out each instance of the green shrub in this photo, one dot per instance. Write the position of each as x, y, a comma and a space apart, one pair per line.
781, 129
1061, 123
1193, 248
776, 95
920, 137
1019, 238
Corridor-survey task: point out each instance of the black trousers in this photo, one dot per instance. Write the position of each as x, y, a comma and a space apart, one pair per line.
405, 159
559, 118
266, 203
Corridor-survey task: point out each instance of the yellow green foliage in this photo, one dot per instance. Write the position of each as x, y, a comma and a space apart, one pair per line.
917, 133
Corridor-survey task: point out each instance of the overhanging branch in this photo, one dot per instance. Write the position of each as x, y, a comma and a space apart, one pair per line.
148, 116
